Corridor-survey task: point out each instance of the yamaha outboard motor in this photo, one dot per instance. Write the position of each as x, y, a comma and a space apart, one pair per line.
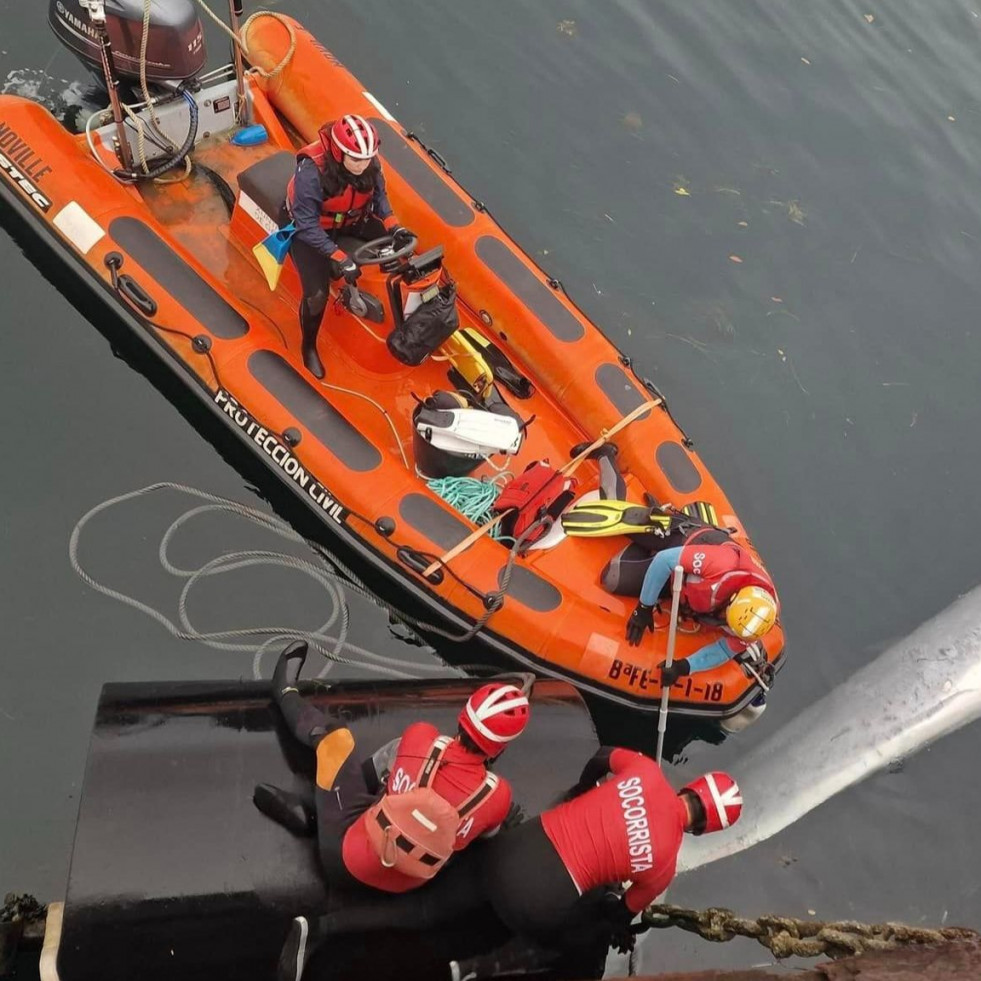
154, 127
175, 45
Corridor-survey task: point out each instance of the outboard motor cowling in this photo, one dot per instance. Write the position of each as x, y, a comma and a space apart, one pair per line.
175, 46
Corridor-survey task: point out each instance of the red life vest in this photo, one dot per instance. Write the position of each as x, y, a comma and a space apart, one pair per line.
715, 572
536, 493
415, 831
346, 207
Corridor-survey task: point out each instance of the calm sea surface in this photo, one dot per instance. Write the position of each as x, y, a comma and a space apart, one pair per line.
774, 206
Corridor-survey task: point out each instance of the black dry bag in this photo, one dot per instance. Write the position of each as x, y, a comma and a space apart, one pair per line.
425, 328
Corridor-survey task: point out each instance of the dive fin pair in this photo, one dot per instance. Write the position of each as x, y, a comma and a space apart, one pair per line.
703, 511
598, 519
500, 364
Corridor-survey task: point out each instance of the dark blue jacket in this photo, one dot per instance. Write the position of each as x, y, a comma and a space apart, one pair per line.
308, 199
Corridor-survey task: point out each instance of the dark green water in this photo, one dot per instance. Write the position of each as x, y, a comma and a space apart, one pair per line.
829, 378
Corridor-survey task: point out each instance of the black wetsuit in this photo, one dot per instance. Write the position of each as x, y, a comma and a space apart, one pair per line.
624, 574
516, 877
343, 788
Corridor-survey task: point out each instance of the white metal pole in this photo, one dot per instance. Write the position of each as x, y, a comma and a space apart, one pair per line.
662, 716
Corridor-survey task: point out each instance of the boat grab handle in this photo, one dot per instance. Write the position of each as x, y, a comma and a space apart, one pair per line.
129, 288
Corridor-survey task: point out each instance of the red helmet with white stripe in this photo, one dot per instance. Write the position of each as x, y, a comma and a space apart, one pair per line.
721, 801
351, 135
494, 715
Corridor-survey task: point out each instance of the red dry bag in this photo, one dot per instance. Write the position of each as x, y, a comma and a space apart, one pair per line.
539, 493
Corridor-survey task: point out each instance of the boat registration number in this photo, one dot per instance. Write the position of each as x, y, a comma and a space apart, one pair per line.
634, 676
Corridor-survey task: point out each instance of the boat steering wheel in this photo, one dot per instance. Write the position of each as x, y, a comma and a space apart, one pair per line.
370, 253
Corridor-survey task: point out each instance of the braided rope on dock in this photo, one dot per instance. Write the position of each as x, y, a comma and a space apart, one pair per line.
788, 936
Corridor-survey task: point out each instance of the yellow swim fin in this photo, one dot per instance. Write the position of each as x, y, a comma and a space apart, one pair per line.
704, 511
596, 519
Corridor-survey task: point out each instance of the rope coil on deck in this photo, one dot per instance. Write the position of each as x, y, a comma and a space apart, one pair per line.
240, 37
788, 936
473, 498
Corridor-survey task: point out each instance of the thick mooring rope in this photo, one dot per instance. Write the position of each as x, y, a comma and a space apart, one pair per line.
787, 936
240, 37
21, 907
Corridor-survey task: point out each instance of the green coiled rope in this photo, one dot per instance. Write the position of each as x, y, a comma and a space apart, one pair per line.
471, 497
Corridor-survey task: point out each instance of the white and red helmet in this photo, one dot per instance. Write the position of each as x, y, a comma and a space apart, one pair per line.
352, 135
721, 801
494, 715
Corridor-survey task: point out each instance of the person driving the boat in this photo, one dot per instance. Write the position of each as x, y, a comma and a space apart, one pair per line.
549, 879
440, 795
723, 584
337, 192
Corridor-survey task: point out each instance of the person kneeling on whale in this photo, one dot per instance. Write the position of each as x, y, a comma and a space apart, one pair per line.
447, 777
439, 798
723, 585
548, 879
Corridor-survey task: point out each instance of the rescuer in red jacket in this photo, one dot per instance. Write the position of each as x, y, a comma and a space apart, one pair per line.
628, 828
545, 879
351, 849
723, 584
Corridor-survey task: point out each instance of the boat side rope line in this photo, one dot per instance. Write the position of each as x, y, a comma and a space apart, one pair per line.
114, 262
494, 600
788, 936
240, 37
328, 572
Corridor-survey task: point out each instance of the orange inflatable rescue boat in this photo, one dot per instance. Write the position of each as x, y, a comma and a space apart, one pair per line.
400, 452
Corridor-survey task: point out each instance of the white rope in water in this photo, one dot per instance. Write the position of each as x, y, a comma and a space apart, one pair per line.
323, 569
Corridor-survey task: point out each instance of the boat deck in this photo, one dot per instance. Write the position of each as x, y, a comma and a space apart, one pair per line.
195, 214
